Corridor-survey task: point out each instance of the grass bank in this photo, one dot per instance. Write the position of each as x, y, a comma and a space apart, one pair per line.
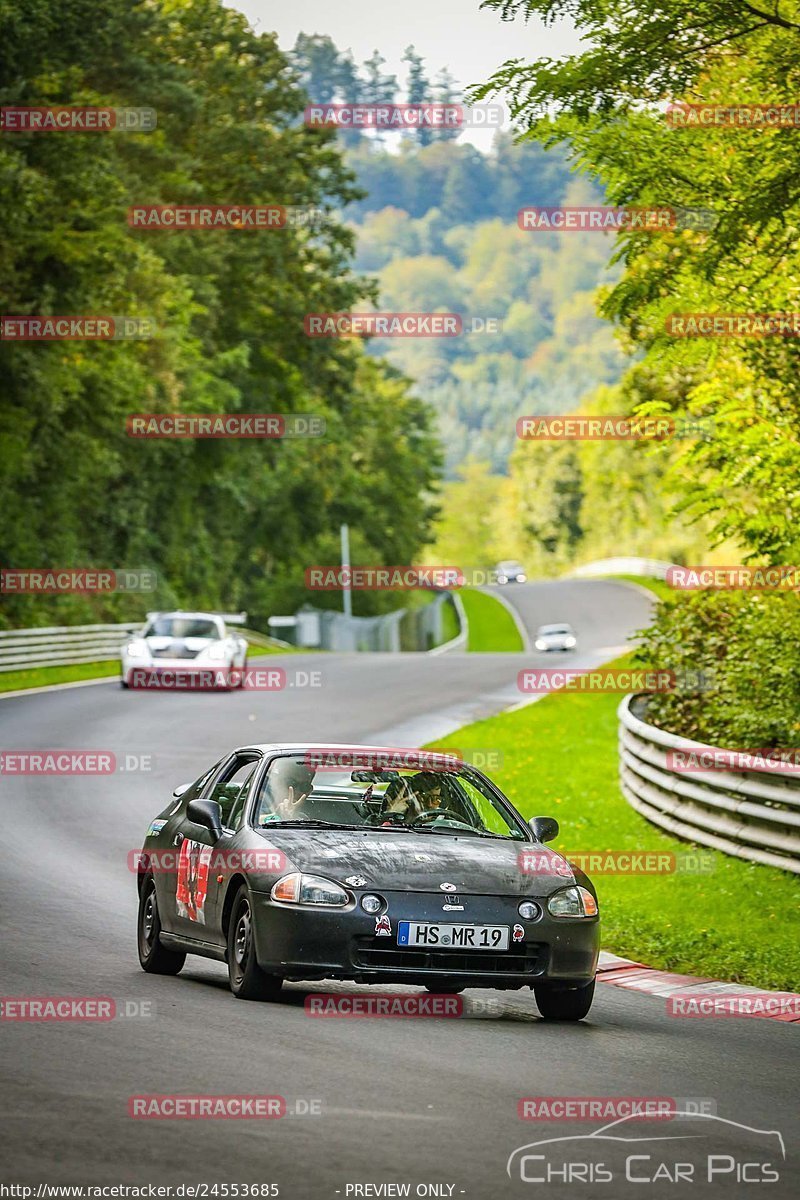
491, 626
738, 922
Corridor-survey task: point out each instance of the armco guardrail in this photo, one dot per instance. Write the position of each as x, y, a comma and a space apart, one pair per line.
653, 567
404, 629
749, 814
58, 645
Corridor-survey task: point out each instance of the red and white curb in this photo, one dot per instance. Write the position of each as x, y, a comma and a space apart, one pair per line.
698, 996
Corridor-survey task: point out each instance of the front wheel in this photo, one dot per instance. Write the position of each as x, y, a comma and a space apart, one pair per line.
154, 958
247, 980
564, 1003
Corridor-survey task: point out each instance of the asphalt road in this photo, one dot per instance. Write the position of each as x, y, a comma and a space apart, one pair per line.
402, 1102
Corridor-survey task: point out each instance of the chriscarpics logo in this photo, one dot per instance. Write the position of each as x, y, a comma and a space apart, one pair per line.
695, 1148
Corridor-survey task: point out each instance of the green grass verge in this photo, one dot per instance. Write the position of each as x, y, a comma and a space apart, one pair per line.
450, 626
737, 923
13, 681
491, 626
659, 587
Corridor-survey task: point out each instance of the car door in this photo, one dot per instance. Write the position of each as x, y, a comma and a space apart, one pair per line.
171, 837
197, 883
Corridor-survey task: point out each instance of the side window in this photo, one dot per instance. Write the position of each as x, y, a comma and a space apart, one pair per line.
195, 789
240, 803
231, 790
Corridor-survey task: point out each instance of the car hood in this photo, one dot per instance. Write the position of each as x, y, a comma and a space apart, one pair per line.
422, 862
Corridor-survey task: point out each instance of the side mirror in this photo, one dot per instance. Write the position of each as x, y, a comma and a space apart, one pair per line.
208, 814
545, 829
180, 789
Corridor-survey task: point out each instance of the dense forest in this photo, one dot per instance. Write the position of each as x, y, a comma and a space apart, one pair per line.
224, 523
438, 228
742, 484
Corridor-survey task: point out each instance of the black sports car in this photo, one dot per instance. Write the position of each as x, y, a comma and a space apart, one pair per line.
362, 863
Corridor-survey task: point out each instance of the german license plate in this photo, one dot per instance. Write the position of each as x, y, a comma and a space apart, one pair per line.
452, 937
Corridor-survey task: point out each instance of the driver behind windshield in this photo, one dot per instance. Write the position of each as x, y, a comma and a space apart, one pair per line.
425, 792
289, 785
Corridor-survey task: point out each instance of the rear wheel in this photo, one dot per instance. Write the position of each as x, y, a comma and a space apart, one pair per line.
247, 980
564, 1003
154, 958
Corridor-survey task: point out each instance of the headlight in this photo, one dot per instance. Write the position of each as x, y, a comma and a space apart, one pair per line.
371, 904
569, 642
529, 911
216, 653
501, 579
521, 577
572, 902
137, 648
540, 644
308, 889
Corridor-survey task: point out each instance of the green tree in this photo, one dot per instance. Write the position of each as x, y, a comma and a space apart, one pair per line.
418, 89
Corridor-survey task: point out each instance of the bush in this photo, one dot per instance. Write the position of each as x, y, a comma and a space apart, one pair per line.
749, 644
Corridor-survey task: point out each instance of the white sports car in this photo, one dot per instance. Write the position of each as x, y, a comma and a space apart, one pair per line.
185, 642
555, 637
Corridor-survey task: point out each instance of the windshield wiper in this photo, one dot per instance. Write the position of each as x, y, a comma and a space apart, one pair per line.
463, 829
300, 824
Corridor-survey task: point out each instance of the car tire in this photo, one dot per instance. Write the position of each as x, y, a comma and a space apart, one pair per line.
564, 1003
247, 980
441, 989
154, 958
123, 683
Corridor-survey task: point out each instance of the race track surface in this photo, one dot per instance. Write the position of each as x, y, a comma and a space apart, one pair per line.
406, 1102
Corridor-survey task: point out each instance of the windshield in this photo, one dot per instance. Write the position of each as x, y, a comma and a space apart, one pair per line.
182, 627
297, 789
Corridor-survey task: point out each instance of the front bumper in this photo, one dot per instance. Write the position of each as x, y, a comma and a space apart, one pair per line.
305, 942
176, 673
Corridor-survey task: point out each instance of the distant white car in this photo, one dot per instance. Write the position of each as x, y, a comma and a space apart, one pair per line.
185, 641
510, 572
555, 637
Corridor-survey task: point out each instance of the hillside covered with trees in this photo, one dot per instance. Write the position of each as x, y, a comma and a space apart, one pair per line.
228, 524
